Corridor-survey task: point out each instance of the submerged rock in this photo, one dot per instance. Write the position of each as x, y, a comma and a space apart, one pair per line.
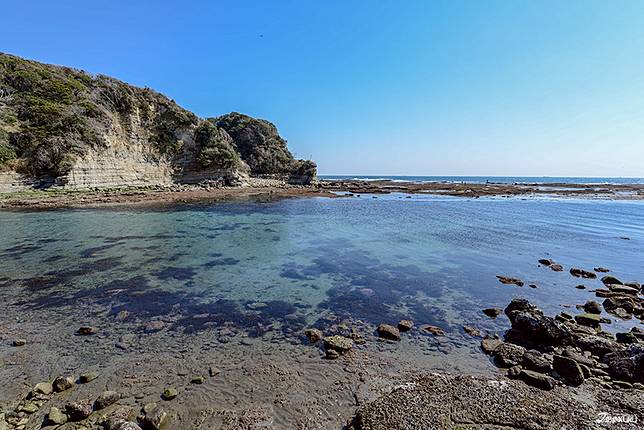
601, 270
492, 312
386, 331
474, 332
510, 281
581, 273
546, 261
436, 331
556, 267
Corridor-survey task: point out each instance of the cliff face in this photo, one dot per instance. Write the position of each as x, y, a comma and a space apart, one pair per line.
60, 126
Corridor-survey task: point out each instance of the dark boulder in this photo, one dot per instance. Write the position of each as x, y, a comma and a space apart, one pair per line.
611, 280
626, 365
581, 273
568, 369
535, 360
508, 355
531, 327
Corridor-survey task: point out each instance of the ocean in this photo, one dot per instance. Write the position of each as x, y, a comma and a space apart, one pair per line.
493, 179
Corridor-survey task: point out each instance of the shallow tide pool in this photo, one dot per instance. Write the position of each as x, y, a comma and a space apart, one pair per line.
305, 262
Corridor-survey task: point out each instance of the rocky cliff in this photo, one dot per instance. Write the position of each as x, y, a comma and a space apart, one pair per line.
64, 127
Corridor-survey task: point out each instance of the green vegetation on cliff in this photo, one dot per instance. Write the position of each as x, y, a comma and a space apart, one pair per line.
51, 115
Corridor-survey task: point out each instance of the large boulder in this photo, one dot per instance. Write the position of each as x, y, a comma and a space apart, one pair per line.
531, 327
626, 365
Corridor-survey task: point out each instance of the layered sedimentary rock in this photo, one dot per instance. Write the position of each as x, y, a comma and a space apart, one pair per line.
64, 127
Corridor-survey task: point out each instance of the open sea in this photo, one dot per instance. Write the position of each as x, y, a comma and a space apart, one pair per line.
493, 179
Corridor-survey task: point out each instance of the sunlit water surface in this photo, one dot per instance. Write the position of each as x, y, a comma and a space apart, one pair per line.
303, 262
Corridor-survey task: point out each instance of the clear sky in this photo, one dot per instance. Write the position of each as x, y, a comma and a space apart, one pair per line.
379, 87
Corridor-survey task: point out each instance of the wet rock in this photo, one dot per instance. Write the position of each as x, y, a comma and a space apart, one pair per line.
169, 393
198, 380
626, 303
19, 342
508, 355
489, 345
601, 270
492, 312
611, 280
599, 346
386, 331
638, 333
472, 331
106, 399
63, 383
580, 287
535, 360
623, 290
405, 325
589, 320
87, 377
531, 327
556, 267
626, 365
314, 335
56, 416
536, 379
510, 281
338, 343
568, 369
581, 273
45, 388
546, 262
153, 416
87, 331
592, 307
436, 331
78, 411
532, 285
633, 284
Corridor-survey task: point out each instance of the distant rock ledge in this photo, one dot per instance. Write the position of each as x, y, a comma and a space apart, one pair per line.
61, 127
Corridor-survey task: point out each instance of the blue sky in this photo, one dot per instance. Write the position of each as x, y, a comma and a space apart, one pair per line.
380, 87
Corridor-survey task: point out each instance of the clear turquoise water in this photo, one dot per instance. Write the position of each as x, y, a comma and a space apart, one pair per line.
313, 260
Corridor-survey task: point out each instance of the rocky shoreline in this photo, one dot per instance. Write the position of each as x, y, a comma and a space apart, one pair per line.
57, 197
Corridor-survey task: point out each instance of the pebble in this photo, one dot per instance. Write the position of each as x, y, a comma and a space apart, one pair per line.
19, 342
87, 331
170, 393
63, 383
106, 399
56, 416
